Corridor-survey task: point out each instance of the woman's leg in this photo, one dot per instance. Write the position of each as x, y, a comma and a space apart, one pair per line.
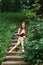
15, 45
22, 44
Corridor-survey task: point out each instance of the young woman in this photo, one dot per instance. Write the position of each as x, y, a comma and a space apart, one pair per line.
22, 33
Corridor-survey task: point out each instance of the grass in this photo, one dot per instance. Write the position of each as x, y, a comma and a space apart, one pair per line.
13, 16
7, 29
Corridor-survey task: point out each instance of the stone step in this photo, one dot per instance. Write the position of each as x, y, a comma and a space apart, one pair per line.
12, 44
14, 53
12, 47
13, 58
15, 63
15, 37
13, 40
18, 47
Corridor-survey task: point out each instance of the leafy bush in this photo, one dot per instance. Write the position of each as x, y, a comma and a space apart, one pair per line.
34, 42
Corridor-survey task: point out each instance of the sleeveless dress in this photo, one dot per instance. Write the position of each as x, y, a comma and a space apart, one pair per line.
22, 33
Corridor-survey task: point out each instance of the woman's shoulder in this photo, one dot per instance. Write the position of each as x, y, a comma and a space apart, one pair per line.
19, 29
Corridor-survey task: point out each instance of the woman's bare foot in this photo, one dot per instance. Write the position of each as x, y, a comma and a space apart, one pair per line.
10, 51
23, 50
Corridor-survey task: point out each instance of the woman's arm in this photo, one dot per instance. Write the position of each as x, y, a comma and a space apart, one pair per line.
18, 31
24, 37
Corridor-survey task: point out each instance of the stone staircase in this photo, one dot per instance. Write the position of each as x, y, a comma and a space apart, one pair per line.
16, 56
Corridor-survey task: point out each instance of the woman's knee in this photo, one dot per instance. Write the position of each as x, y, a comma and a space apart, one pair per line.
19, 39
22, 39
22, 42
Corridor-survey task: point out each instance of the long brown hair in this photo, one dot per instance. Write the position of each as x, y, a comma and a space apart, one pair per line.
26, 28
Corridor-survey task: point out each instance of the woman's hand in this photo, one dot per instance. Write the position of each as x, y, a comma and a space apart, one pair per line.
16, 34
24, 37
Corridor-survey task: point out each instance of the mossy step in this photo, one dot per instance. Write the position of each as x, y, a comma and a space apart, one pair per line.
13, 58
14, 53
12, 44
15, 63
14, 40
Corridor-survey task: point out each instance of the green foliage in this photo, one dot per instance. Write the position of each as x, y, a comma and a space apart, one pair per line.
10, 5
18, 5
7, 30
13, 16
31, 10
5, 5
34, 42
